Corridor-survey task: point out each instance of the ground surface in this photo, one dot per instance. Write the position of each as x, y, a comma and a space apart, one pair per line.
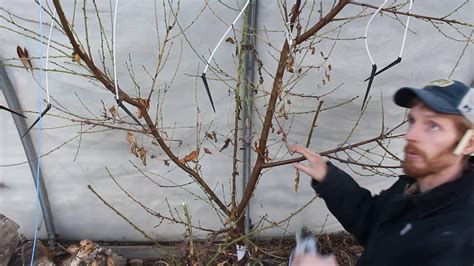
264, 252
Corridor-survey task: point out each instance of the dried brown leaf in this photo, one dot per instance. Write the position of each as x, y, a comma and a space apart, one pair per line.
23, 57
297, 180
192, 156
133, 143
28, 58
226, 144
208, 135
142, 154
75, 57
212, 136
113, 111
230, 40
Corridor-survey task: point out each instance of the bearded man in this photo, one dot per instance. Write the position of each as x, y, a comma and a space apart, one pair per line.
427, 216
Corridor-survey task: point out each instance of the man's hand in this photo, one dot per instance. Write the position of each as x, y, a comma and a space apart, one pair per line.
316, 167
314, 260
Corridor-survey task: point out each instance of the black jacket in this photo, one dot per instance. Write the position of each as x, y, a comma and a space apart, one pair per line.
396, 228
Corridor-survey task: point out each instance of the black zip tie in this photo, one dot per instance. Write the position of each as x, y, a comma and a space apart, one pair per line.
204, 80
369, 85
11, 111
37, 119
398, 60
119, 103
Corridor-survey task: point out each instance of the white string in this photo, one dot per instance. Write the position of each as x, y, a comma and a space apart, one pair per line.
40, 141
113, 48
367, 29
406, 29
47, 56
225, 34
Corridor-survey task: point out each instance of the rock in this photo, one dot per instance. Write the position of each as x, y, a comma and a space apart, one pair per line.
9, 239
23, 255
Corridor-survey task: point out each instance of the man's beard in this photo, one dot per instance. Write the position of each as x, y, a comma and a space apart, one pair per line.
426, 166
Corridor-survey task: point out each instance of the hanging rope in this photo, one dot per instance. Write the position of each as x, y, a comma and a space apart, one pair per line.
203, 76
40, 137
374, 71
117, 97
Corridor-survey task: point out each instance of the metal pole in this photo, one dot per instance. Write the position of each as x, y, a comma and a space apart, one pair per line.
31, 155
248, 85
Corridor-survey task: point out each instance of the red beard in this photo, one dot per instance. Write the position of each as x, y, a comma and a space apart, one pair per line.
425, 165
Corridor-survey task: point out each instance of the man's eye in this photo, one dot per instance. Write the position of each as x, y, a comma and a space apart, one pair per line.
434, 126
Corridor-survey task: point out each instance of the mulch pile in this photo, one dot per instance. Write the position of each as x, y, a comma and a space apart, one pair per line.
342, 244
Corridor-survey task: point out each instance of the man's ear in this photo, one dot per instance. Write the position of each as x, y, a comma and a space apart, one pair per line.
466, 145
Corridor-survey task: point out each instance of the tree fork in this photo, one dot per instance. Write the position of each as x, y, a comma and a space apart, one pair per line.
276, 90
110, 86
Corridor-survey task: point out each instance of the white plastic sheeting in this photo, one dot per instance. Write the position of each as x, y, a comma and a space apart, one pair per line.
72, 162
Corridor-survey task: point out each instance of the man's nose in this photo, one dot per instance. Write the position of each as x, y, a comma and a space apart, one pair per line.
413, 133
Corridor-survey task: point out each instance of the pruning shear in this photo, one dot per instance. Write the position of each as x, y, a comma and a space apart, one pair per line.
374, 71
305, 243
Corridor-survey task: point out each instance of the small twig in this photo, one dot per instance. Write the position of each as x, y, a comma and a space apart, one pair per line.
189, 229
313, 124
85, 106
462, 54
324, 153
354, 162
391, 10
79, 145
387, 151
124, 217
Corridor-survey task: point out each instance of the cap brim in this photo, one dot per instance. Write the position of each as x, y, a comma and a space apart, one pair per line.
404, 97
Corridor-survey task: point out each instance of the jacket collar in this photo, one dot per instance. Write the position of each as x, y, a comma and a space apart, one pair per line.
443, 195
